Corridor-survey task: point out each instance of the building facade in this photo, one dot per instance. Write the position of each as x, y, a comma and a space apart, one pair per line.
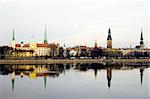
38, 49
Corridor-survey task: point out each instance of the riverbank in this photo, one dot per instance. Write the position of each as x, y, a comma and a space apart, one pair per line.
60, 61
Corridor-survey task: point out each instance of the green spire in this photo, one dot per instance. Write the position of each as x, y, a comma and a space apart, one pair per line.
45, 36
13, 38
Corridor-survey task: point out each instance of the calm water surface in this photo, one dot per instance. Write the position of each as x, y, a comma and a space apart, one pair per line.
75, 81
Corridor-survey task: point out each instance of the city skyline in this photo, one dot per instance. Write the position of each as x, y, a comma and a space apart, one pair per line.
76, 23
45, 40
74, 49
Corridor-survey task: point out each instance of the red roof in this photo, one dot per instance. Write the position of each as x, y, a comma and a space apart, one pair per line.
42, 45
25, 45
18, 45
28, 45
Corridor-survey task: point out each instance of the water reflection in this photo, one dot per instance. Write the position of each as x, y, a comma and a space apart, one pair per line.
54, 71
141, 74
109, 75
13, 79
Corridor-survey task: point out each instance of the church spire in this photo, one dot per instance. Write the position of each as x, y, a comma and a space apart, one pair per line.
13, 37
109, 31
109, 35
109, 39
13, 42
95, 44
45, 36
141, 34
141, 40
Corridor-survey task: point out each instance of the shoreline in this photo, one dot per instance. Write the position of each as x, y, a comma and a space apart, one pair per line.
61, 61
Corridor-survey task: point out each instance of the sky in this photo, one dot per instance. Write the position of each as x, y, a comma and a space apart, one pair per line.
76, 22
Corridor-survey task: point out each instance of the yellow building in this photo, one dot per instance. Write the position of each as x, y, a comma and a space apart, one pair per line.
26, 49
23, 53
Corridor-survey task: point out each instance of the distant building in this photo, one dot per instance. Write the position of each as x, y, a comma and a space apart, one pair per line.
18, 53
72, 53
83, 51
135, 53
109, 40
112, 53
54, 50
96, 51
39, 49
65, 54
126, 51
141, 46
6, 52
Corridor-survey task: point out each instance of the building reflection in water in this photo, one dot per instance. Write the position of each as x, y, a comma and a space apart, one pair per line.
54, 70
95, 73
32, 71
95, 68
109, 76
141, 74
45, 82
13, 77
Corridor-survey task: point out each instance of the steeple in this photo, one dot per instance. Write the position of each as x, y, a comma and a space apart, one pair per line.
13, 37
13, 42
141, 40
109, 31
45, 36
109, 35
95, 44
109, 39
141, 35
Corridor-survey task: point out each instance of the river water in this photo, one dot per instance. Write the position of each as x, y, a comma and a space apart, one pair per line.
75, 81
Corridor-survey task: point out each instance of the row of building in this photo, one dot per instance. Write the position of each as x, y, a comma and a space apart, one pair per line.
35, 50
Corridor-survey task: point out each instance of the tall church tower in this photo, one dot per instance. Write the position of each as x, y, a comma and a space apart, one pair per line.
141, 40
95, 45
45, 36
109, 39
13, 43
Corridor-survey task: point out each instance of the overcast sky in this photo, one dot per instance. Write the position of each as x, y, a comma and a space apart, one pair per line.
76, 22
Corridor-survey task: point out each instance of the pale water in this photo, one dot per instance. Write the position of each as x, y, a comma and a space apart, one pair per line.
75, 81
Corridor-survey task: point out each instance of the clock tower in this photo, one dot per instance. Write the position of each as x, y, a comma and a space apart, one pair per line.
109, 40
